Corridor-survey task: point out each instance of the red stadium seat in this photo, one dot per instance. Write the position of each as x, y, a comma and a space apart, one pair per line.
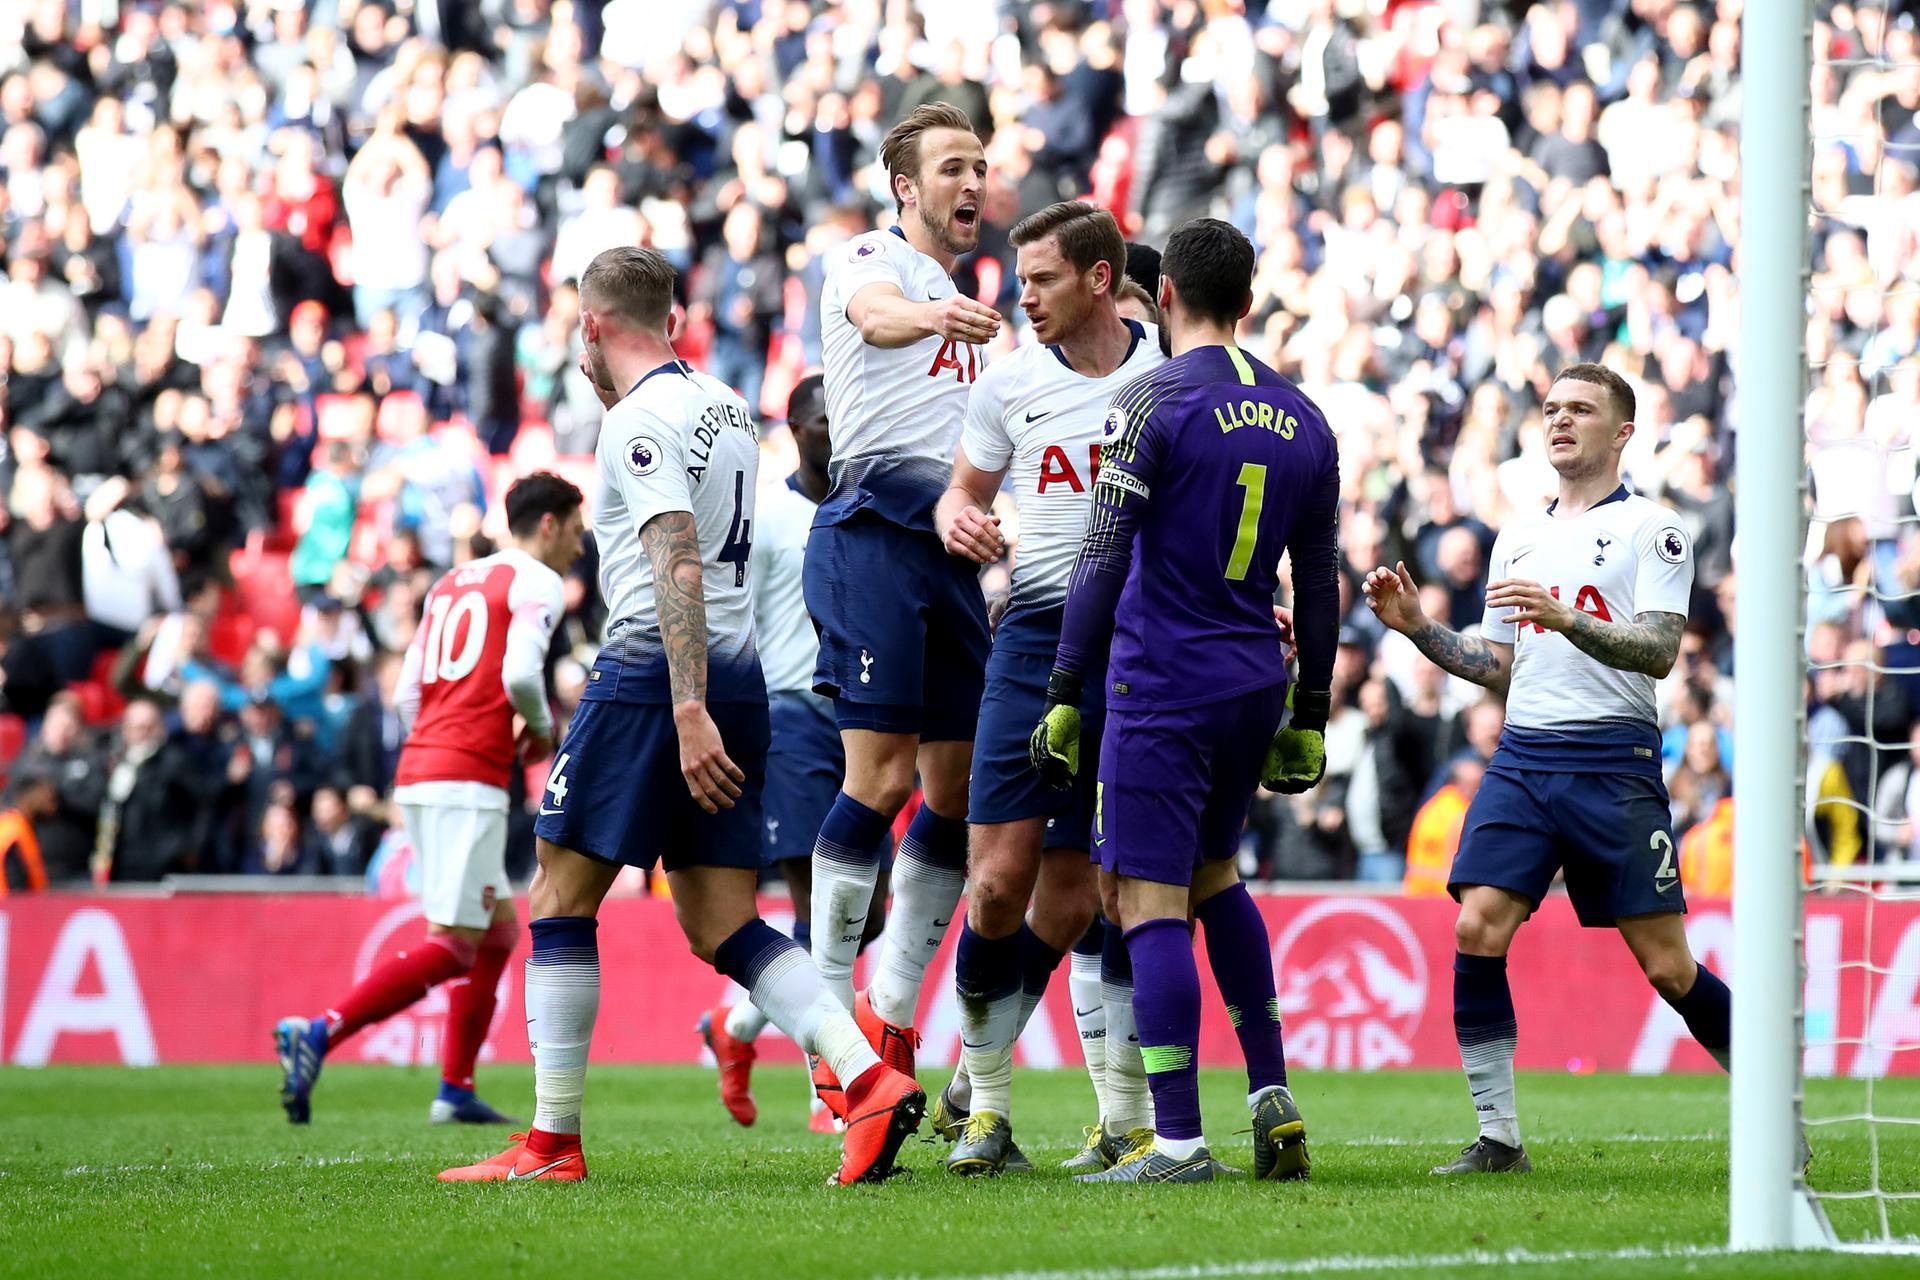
13, 740
263, 590
230, 635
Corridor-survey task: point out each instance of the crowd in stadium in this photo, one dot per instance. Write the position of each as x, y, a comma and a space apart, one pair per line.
289, 300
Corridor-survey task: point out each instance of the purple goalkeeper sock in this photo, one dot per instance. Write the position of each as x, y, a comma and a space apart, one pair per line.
1708, 1010
1166, 1011
1242, 960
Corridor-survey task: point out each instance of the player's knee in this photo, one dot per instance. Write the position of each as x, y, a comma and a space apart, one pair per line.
1669, 972
994, 903
1476, 934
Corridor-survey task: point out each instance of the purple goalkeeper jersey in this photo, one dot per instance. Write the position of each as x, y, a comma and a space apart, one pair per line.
1212, 467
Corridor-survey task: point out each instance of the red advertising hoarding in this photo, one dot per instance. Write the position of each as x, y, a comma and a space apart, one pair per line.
1365, 983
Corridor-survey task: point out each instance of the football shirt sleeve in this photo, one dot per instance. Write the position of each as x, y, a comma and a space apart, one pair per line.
1315, 554
1664, 580
1492, 626
649, 466
985, 437
864, 262
534, 605
1129, 466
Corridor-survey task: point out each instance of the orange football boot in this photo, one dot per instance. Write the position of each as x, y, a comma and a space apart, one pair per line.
826, 1088
895, 1045
735, 1058
884, 1108
517, 1164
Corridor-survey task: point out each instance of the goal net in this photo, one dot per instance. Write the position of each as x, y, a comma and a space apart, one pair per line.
1827, 862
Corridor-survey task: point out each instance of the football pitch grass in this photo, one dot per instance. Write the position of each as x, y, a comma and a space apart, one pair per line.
194, 1171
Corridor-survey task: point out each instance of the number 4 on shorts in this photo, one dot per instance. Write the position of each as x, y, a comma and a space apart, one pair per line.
557, 784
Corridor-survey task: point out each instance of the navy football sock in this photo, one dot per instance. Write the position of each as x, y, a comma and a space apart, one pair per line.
1483, 1023
1242, 961
1166, 1009
1708, 1010
1037, 963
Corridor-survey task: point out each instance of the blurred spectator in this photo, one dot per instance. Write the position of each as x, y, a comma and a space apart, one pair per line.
21, 868
63, 755
331, 503
1701, 781
279, 849
147, 821
740, 295
1435, 834
339, 842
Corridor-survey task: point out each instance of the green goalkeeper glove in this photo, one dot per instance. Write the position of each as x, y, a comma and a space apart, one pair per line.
1054, 747
1298, 756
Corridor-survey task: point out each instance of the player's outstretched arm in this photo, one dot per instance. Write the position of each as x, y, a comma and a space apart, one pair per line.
1395, 600
964, 515
673, 546
887, 318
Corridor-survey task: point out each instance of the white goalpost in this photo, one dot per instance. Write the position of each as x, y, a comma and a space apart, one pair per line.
1771, 1202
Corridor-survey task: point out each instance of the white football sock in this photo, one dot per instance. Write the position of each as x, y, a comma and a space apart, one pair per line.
746, 1022
960, 1088
794, 999
988, 1029
925, 896
841, 1044
842, 896
1489, 1065
1129, 1099
1090, 1018
1178, 1148
563, 999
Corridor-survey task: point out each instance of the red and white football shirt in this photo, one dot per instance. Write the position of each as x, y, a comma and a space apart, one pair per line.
482, 640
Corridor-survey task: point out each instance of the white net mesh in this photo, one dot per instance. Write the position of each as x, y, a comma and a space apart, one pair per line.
1861, 1011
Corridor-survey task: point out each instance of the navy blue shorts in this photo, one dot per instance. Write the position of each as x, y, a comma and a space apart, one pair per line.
1612, 834
903, 629
804, 768
615, 792
1005, 787
1175, 785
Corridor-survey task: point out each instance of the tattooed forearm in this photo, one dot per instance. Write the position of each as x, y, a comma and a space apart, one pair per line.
1469, 657
1648, 644
674, 548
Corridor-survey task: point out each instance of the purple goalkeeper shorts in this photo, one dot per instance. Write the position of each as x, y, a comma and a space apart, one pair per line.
1174, 786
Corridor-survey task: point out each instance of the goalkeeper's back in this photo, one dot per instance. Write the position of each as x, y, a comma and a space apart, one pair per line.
1226, 466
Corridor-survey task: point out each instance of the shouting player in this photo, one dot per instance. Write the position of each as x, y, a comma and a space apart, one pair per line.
1575, 646
478, 660
804, 760
1034, 417
903, 627
1213, 467
666, 755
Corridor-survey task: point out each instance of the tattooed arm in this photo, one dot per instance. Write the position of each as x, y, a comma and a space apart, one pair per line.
1392, 596
1649, 644
673, 547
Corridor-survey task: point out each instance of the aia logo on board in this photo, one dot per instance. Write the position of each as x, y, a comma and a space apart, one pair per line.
1352, 983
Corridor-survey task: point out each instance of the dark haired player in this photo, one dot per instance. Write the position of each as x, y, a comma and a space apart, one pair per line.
1213, 467
1033, 424
477, 662
1584, 613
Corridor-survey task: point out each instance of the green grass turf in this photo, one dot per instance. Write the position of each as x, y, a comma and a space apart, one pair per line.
194, 1171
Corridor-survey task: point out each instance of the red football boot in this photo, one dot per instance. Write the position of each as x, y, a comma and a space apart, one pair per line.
884, 1108
821, 1120
735, 1058
517, 1164
826, 1088
895, 1045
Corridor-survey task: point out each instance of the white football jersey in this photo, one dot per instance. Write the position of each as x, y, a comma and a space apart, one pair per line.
1625, 557
1034, 416
789, 649
896, 412
680, 441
